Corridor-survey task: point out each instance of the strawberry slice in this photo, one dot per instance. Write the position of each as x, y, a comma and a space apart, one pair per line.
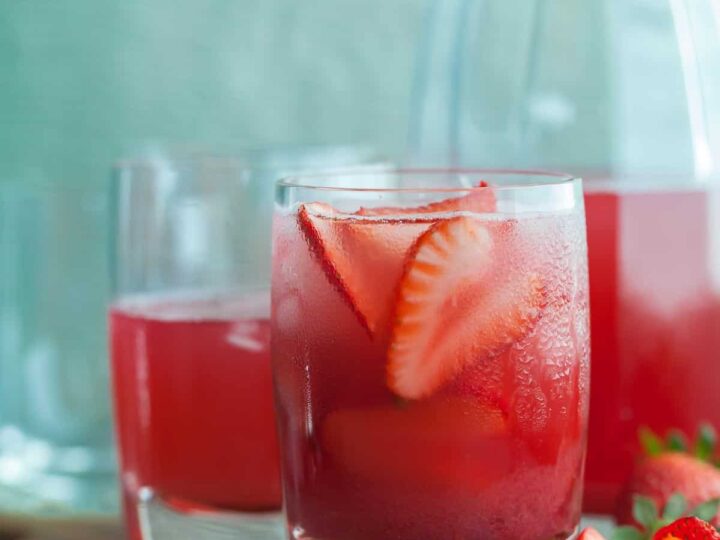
451, 312
362, 258
480, 199
455, 444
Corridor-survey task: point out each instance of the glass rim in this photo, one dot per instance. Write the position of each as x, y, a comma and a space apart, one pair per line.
552, 178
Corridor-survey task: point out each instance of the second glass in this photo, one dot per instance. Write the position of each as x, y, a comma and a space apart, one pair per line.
189, 347
190, 337
430, 354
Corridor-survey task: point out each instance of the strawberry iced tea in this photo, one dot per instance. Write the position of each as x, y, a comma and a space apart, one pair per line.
431, 364
655, 320
194, 407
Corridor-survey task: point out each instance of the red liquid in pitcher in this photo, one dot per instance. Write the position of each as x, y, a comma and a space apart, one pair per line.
655, 319
193, 401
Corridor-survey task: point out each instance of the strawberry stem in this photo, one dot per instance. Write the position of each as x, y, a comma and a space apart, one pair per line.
676, 441
705, 442
675, 507
645, 511
707, 510
651, 444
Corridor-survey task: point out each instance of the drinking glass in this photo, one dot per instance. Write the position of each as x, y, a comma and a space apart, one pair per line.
190, 343
56, 450
430, 354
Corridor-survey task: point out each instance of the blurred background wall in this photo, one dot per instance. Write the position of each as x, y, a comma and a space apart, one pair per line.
82, 81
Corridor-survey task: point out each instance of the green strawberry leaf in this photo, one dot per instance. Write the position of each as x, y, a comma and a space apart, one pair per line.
676, 441
650, 442
627, 533
675, 507
707, 510
645, 511
705, 442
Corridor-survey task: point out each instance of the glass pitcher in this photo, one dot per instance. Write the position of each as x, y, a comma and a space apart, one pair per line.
626, 92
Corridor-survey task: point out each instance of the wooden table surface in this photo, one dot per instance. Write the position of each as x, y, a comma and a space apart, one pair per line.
22, 529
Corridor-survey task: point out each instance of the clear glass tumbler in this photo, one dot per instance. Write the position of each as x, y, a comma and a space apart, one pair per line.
56, 450
190, 336
430, 354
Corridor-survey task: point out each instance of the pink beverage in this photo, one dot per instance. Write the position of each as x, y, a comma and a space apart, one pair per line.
431, 370
193, 400
654, 282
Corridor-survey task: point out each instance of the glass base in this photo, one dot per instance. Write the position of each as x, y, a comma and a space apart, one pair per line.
160, 521
299, 534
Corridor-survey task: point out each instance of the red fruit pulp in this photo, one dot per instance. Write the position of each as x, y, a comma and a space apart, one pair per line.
495, 453
655, 324
193, 401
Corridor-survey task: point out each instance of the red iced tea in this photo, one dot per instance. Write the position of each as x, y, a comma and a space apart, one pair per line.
193, 401
431, 369
655, 323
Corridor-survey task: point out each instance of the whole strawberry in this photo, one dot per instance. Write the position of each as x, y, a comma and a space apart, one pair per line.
658, 477
689, 528
667, 469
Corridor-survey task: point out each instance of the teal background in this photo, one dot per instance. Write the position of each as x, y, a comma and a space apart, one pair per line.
84, 81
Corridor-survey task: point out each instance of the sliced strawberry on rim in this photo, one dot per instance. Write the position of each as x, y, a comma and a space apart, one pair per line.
449, 313
362, 258
481, 198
